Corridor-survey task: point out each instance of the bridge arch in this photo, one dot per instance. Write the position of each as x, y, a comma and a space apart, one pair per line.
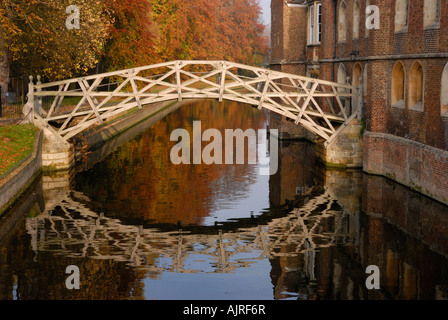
96, 98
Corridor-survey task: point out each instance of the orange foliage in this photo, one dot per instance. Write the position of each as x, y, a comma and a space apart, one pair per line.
175, 29
139, 181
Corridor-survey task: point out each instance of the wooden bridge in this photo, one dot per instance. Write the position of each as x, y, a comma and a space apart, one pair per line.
68, 107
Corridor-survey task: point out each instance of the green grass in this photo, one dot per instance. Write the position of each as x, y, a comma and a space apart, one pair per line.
16, 143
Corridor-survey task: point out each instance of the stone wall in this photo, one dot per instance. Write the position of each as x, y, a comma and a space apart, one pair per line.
288, 36
56, 155
22, 176
416, 165
346, 150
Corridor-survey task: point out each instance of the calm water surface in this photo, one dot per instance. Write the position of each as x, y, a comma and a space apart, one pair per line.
140, 227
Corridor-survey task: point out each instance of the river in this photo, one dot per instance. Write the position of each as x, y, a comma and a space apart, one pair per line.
137, 226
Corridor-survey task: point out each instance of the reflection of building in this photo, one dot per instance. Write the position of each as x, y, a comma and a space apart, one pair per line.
295, 171
398, 231
423, 241
377, 223
401, 65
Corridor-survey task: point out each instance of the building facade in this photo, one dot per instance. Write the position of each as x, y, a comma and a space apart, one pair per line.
398, 50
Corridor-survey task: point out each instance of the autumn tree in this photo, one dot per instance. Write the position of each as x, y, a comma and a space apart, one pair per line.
34, 38
132, 34
151, 31
242, 32
213, 29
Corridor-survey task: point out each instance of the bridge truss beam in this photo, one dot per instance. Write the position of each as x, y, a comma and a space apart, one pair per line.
69, 107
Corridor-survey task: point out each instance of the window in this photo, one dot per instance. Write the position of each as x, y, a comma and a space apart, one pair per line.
401, 15
416, 87
357, 75
342, 22
367, 29
444, 92
398, 86
319, 22
431, 13
357, 79
356, 20
364, 82
342, 76
315, 23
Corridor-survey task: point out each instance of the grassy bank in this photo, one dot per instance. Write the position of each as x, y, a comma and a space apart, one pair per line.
16, 143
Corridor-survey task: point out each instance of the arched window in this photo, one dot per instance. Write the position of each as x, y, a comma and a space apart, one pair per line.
401, 14
398, 86
342, 22
364, 82
357, 79
444, 92
360, 77
342, 75
356, 19
431, 12
416, 87
357, 75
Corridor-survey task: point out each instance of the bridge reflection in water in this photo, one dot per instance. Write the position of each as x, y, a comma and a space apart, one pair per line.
314, 239
72, 229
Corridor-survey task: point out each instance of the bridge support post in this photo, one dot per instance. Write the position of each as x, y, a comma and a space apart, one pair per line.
56, 187
346, 150
56, 155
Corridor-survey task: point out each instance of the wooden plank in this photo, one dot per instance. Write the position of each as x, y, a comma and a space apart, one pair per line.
305, 103
263, 94
223, 81
89, 99
178, 81
135, 90
55, 100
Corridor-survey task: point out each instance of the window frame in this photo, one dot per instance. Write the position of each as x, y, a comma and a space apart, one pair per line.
443, 94
342, 39
404, 27
432, 24
356, 26
314, 25
416, 105
400, 103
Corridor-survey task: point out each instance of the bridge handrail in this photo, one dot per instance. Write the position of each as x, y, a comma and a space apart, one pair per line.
290, 95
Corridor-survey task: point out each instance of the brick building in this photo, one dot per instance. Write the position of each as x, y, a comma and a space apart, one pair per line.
398, 49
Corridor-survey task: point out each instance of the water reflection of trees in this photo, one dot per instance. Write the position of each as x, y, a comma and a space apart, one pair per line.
139, 181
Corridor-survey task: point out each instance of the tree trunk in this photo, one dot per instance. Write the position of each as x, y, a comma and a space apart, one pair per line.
4, 66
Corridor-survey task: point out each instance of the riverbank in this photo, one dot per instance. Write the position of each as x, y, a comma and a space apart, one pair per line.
22, 175
16, 144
